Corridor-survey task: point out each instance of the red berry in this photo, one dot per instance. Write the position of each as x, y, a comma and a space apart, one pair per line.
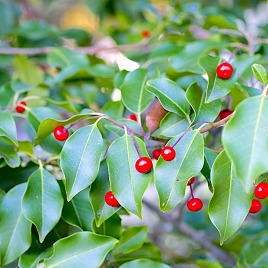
61, 133
225, 70
168, 153
195, 204
191, 181
146, 34
255, 206
111, 200
20, 108
224, 113
156, 153
261, 190
144, 165
132, 117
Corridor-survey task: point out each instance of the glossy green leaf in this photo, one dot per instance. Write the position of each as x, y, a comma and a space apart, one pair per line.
217, 87
26, 147
171, 177
97, 193
47, 126
32, 258
171, 96
111, 227
127, 184
67, 105
29, 73
131, 239
134, 95
42, 202
209, 159
230, 203
8, 128
78, 211
82, 249
80, 159
15, 229
9, 153
260, 73
246, 141
144, 263
203, 111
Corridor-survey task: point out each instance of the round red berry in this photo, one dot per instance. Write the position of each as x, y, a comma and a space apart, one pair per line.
261, 190
156, 153
195, 204
61, 133
255, 206
20, 108
146, 34
144, 165
225, 70
168, 153
224, 113
111, 200
132, 117
191, 181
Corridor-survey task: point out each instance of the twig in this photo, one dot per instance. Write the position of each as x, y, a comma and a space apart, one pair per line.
197, 236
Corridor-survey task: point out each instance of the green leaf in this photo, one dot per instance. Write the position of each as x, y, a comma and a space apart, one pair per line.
78, 211
131, 239
171, 96
127, 184
171, 125
143, 263
32, 258
42, 202
26, 147
8, 129
217, 87
111, 227
67, 105
27, 71
15, 229
80, 159
134, 95
203, 111
187, 163
9, 153
209, 159
89, 251
229, 204
97, 193
47, 126
246, 141
260, 73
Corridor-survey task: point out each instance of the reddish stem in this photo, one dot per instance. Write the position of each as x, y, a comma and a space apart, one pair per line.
82, 120
135, 145
191, 189
203, 122
105, 153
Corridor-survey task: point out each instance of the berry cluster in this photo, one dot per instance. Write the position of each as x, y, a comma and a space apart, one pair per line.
21, 107
261, 192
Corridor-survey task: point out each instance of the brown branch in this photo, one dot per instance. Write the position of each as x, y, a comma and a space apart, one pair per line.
197, 236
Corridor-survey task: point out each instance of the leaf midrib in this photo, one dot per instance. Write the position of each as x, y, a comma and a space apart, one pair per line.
141, 93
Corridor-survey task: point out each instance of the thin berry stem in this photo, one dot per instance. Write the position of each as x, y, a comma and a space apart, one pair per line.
191, 189
135, 145
82, 120
105, 153
203, 122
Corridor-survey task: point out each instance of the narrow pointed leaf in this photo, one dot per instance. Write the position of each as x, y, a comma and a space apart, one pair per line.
171, 177
78, 211
82, 249
8, 128
80, 159
134, 95
217, 87
42, 202
230, 203
15, 229
260, 73
97, 193
127, 184
171, 96
144, 263
203, 111
246, 141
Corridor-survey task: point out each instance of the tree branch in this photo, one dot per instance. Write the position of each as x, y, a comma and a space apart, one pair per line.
197, 236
